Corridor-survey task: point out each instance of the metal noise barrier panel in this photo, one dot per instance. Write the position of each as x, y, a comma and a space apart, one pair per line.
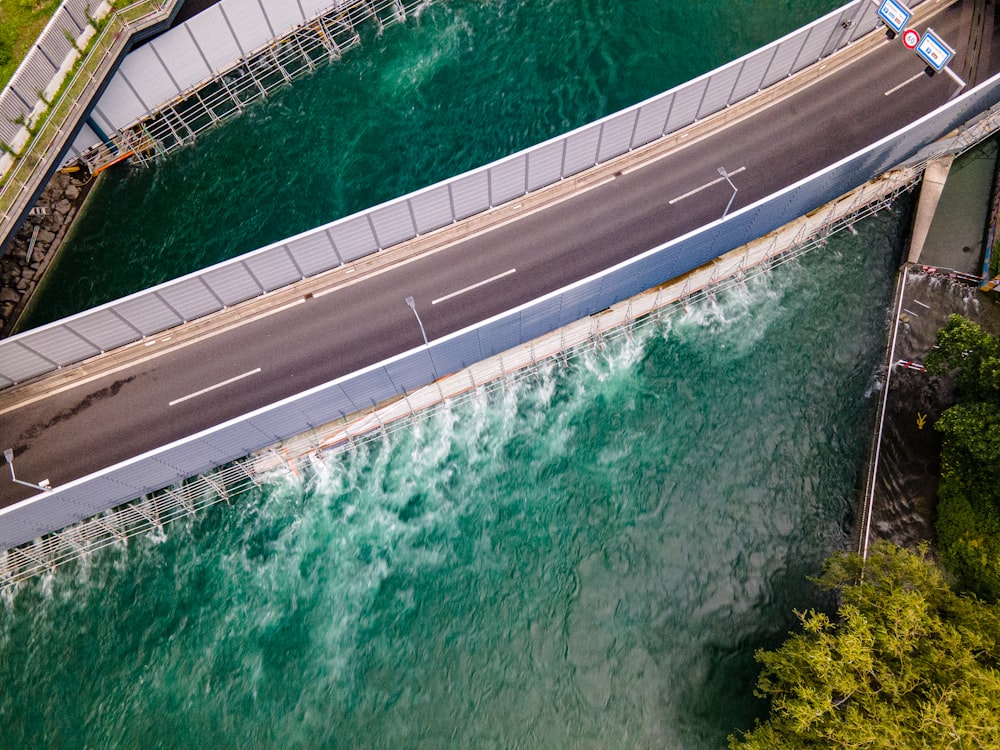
91, 495
151, 311
40, 65
196, 51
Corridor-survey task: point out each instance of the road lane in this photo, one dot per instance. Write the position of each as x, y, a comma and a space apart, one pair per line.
80, 430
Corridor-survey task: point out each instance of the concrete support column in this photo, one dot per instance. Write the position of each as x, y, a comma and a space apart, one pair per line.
935, 176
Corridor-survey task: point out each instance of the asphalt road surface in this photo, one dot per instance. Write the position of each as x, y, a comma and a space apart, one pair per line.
85, 428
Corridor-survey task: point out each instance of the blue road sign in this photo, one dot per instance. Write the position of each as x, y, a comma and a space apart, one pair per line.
894, 14
934, 51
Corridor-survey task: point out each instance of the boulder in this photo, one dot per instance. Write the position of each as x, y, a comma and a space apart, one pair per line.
9, 295
63, 207
72, 192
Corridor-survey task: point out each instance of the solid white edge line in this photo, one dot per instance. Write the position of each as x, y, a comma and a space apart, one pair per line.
203, 391
484, 282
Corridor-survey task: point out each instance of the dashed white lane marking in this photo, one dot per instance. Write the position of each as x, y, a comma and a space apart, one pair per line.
908, 81
210, 388
484, 282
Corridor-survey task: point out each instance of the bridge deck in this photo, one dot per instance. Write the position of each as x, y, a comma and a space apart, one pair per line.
66, 432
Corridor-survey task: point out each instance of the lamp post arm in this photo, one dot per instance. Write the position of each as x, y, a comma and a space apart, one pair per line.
44, 485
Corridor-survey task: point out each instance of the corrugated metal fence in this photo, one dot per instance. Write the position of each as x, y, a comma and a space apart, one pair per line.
197, 50
229, 88
156, 309
40, 65
91, 495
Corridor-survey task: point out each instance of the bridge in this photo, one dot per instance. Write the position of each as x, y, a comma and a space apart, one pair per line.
197, 394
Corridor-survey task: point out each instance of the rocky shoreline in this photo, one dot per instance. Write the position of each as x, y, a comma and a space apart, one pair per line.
36, 243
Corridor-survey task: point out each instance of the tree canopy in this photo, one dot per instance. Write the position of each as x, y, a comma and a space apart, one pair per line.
907, 664
968, 503
963, 346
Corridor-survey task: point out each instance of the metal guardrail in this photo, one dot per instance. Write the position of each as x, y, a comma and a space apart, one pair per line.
42, 64
401, 374
229, 283
31, 166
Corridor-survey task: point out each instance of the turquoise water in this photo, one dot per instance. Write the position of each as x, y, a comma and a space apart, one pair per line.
466, 83
586, 559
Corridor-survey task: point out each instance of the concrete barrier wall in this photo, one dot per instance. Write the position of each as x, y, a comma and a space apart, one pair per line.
93, 494
151, 311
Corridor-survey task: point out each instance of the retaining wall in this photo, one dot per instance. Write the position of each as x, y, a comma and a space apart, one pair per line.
159, 468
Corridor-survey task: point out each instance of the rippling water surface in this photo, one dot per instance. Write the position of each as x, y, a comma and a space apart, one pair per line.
586, 559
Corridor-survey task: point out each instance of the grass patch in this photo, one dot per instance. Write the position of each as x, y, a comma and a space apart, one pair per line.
21, 21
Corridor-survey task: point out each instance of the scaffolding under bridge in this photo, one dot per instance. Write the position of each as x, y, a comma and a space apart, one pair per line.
322, 39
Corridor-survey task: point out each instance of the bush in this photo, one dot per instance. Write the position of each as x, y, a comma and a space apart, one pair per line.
968, 509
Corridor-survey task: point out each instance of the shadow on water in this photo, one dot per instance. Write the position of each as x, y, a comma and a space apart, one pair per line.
903, 510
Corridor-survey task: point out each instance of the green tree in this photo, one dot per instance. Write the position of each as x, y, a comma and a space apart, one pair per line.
907, 664
964, 347
968, 502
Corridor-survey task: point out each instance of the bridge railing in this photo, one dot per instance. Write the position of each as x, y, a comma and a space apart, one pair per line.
162, 467
202, 293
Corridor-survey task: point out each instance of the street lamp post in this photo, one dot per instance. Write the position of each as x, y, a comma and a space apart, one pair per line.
44, 485
725, 175
413, 306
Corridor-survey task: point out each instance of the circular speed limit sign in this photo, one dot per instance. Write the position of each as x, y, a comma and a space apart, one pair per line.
911, 38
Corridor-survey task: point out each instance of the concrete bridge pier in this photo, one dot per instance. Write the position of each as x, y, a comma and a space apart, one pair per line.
932, 185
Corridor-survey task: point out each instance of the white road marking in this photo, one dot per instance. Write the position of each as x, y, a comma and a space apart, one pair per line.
908, 81
203, 391
484, 282
707, 185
